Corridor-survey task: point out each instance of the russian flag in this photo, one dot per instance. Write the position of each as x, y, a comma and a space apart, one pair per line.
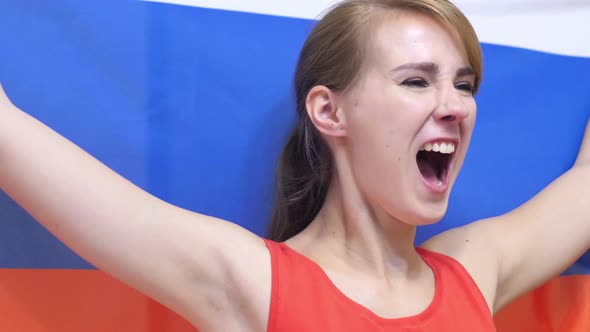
191, 100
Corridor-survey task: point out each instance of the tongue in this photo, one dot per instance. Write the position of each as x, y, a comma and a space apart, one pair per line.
427, 171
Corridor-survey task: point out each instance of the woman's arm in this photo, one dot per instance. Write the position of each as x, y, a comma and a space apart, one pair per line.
192, 263
544, 236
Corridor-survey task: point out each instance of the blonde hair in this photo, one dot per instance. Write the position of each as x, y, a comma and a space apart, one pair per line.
333, 55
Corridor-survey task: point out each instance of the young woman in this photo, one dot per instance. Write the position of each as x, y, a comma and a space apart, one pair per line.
386, 110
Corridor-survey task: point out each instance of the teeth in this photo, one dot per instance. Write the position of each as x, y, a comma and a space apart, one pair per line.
442, 147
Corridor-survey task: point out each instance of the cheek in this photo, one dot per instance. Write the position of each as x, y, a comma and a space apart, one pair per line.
380, 158
381, 128
387, 118
376, 138
466, 128
468, 125
381, 136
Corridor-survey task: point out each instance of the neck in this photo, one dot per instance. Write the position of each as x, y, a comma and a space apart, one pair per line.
350, 230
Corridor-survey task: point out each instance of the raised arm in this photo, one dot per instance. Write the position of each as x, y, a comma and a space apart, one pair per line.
196, 265
544, 236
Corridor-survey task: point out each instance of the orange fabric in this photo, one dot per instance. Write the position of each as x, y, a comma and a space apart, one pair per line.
91, 301
78, 300
304, 299
562, 304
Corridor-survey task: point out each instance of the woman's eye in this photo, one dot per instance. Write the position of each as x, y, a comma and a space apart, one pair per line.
465, 86
415, 82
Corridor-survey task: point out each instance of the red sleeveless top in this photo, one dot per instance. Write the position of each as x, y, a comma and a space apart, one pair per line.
303, 298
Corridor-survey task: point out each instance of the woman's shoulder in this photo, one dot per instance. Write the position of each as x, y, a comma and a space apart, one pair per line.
467, 246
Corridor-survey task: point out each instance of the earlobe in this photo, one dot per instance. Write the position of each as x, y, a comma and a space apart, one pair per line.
324, 111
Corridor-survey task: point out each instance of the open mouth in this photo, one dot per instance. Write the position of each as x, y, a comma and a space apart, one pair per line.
434, 161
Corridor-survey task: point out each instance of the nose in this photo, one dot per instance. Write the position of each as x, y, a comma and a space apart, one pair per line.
452, 106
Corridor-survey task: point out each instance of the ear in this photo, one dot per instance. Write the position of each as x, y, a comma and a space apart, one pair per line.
323, 109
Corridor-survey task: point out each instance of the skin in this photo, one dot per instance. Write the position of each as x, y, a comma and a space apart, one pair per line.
366, 227
362, 236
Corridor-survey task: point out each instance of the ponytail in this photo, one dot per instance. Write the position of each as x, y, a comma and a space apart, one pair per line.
303, 178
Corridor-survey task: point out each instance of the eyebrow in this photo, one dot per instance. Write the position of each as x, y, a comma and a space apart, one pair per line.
465, 71
427, 67
432, 68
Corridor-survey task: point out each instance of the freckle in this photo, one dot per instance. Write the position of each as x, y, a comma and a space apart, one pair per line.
466, 240
399, 158
387, 145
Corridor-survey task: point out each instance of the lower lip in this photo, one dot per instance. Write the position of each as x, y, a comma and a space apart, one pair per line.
439, 189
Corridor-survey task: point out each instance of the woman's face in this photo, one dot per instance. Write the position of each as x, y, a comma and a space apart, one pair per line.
410, 117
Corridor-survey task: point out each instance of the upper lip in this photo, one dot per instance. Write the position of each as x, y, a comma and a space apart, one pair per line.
454, 140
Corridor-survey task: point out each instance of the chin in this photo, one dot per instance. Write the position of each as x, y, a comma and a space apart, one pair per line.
429, 220
429, 214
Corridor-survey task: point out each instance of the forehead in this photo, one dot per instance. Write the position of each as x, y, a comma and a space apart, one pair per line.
402, 37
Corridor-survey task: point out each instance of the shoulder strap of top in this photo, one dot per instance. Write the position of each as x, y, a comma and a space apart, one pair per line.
274, 250
455, 275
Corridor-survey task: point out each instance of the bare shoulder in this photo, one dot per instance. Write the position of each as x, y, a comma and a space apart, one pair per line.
471, 245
